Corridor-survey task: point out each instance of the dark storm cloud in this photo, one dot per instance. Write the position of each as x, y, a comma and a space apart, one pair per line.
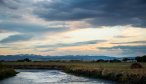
16, 38
98, 12
1, 1
10, 4
27, 27
72, 44
133, 50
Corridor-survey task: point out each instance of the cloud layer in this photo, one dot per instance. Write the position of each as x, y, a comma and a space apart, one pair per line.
16, 38
97, 12
78, 26
127, 50
72, 44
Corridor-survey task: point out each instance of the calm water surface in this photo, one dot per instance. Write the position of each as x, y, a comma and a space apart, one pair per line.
50, 77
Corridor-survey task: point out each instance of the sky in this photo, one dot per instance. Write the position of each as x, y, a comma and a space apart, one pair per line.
73, 27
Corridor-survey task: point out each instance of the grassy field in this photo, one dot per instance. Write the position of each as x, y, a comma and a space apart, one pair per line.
120, 72
6, 72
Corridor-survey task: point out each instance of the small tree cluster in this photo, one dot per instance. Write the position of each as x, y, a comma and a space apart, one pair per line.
141, 59
24, 60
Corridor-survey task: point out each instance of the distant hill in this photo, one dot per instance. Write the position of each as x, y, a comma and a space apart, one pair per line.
46, 58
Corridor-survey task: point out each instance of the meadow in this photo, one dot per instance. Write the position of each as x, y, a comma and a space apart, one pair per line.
117, 71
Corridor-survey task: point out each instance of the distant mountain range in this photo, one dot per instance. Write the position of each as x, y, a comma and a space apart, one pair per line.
46, 58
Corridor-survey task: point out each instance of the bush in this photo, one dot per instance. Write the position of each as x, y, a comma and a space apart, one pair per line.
136, 66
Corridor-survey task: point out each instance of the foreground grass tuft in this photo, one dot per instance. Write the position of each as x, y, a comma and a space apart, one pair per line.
6, 72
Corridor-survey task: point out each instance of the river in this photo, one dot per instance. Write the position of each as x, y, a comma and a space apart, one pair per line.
49, 77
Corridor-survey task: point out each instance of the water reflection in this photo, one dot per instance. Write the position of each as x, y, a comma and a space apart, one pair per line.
49, 77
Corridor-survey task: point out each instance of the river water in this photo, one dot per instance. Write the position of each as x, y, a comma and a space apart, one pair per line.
49, 77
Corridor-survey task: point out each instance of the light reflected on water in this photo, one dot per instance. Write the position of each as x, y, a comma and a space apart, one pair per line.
49, 77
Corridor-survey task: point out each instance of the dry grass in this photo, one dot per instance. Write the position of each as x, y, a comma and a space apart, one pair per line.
120, 72
6, 72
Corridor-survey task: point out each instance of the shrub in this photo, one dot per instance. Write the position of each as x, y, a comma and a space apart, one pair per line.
136, 66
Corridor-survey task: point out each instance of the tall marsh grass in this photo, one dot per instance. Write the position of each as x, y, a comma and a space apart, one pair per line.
120, 72
6, 72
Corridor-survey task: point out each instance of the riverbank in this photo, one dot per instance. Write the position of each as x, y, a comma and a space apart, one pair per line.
6, 72
121, 76
120, 72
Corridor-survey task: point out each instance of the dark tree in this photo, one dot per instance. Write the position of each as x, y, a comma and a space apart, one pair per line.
115, 60
27, 60
125, 59
141, 59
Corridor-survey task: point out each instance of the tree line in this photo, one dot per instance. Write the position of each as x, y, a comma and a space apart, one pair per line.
141, 58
